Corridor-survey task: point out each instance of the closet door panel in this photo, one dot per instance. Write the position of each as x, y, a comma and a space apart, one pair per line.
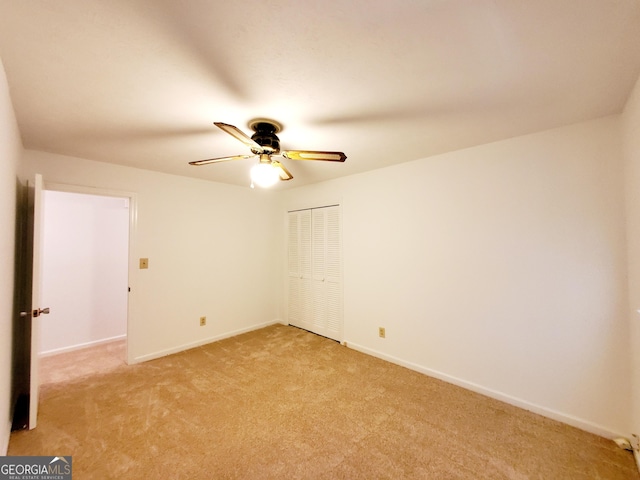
315, 271
319, 258
306, 270
300, 270
293, 265
333, 272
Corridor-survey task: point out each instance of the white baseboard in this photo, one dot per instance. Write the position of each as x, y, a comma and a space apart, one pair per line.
4, 441
80, 346
517, 402
199, 343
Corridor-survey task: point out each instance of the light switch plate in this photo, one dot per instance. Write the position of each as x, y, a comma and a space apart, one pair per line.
144, 263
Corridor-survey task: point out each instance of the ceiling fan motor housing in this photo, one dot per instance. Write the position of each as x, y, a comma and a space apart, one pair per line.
266, 137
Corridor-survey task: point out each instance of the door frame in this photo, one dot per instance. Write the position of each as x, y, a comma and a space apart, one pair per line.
133, 223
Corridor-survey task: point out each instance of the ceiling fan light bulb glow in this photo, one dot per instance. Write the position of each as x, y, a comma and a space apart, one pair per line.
264, 175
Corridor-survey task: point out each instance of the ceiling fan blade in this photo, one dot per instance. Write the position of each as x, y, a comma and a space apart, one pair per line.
282, 171
238, 134
314, 155
220, 159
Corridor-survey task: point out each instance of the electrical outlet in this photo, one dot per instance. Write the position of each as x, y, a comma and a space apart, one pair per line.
381, 332
203, 321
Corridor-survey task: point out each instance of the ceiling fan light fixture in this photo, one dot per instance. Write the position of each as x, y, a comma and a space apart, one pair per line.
264, 175
265, 143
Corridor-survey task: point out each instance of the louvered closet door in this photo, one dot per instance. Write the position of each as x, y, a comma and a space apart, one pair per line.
315, 271
300, 278
333, 273
293, 250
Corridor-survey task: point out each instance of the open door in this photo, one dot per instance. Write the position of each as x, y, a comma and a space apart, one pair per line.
35, 195
27, 331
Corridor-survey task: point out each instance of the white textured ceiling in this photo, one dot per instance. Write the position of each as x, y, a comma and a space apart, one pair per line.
140, 83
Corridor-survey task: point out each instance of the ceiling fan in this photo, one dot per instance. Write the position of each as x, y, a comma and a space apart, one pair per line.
264, 143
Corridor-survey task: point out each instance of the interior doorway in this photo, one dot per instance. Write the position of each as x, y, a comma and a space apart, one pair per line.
26, 341
85, 278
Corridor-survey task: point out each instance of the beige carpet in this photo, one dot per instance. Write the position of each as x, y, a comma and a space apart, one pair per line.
281, 403
81, 363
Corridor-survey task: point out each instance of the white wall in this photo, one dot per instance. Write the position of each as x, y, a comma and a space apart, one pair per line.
10, 151
210, 248
500, 268
631, 124
84, 270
